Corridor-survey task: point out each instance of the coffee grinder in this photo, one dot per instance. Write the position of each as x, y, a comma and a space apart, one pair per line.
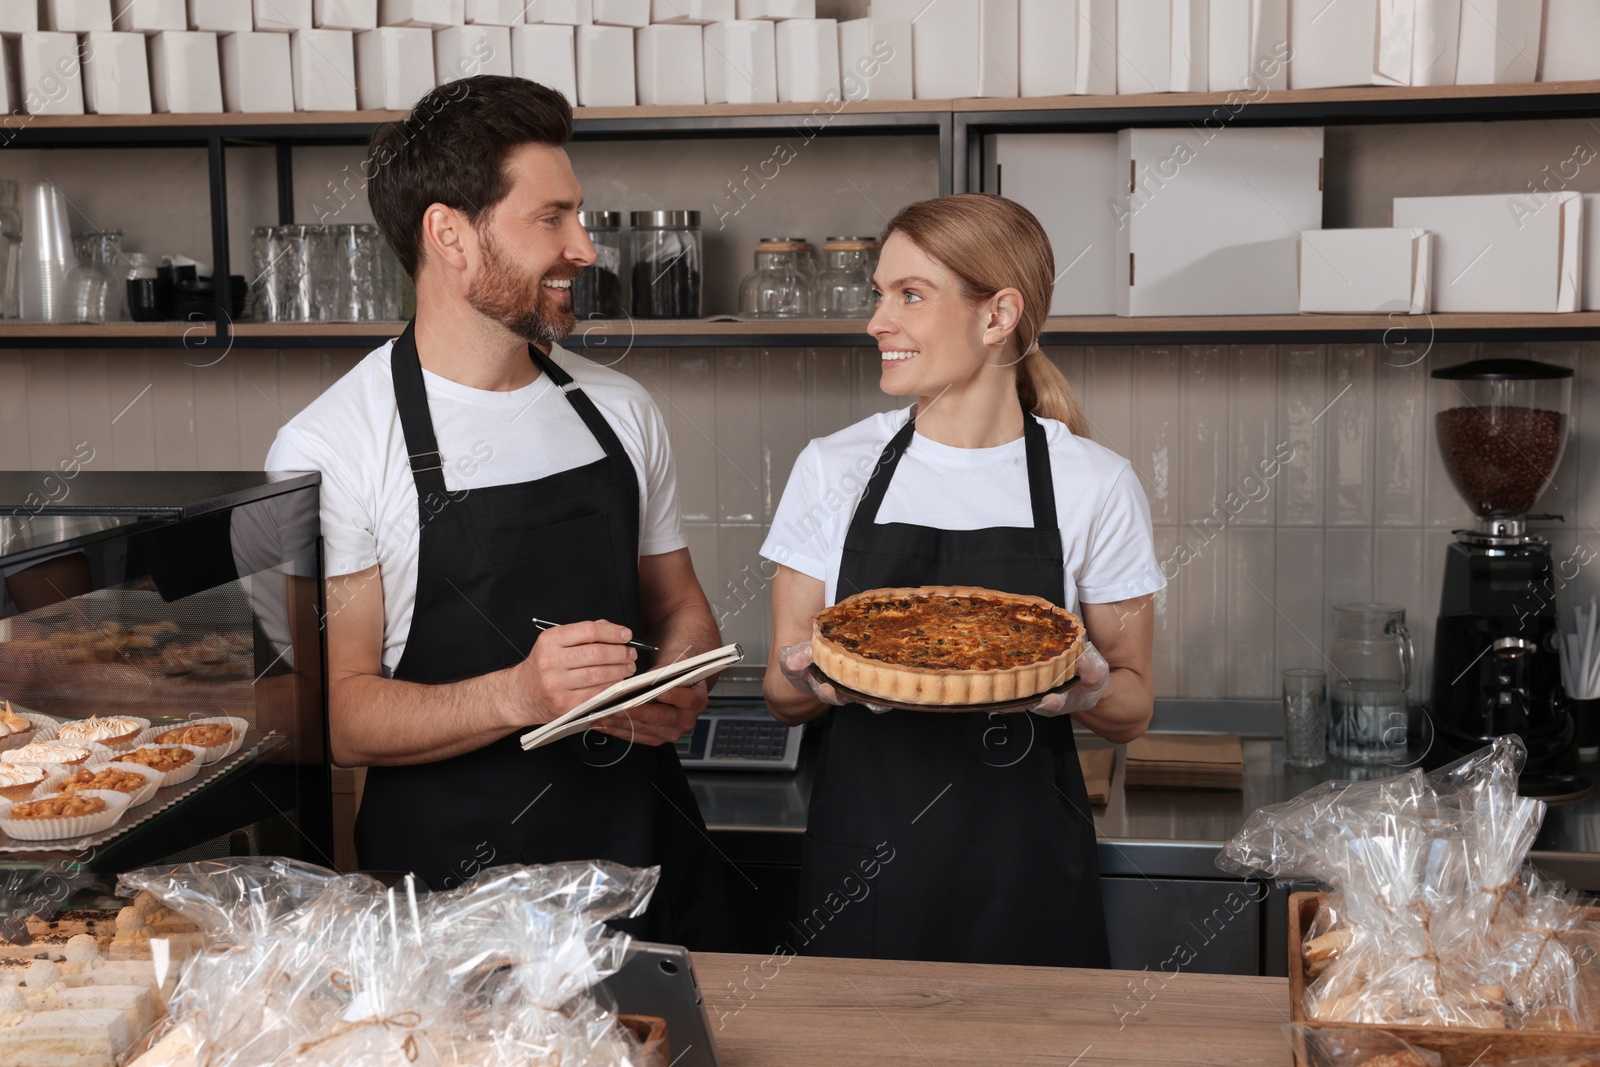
1502, 426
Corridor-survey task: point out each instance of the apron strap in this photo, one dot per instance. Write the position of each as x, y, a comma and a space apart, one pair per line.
1041, 485
411, 398
603, 433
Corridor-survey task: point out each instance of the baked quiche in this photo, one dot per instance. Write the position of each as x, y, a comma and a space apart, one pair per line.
946, 645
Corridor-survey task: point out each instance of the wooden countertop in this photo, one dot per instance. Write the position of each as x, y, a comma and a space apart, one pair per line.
803, 1012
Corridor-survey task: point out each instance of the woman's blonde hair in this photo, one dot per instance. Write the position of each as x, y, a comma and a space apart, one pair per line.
990, 243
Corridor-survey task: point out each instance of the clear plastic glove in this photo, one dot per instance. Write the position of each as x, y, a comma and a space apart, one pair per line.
795, 662
1094, 674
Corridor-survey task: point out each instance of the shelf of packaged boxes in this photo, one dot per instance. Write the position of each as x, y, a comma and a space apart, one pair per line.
105, 335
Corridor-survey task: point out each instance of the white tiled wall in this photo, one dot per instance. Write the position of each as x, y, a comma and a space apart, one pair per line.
1362, 511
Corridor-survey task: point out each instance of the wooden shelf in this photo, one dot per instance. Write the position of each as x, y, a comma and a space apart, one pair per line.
1346, 95
15, 334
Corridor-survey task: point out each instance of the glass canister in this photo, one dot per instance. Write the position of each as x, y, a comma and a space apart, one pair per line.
1370, 683
776, 289
597, 290
664, 248
92, 292
843, 289
1502, 426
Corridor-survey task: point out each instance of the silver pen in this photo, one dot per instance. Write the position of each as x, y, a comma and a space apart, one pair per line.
545, 625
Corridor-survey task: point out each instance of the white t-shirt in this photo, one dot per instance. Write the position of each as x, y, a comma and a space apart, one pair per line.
352, 434
1105, 518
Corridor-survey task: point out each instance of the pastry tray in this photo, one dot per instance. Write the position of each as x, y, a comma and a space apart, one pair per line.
256, 744
1002, 705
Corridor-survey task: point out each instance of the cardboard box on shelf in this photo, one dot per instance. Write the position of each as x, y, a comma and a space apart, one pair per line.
116, 74
963, 47
777, 9
875, 59
221, 16
1417, 42
148, 16
693, 12
49, 73
257, 75
73, 16
394, 67
1366, 271
185, 73
1070, 182
1208, 222
467, 51
19, 18
353, 15
1066, 48
670, 65
322, 65
568, 12
1499, 41
1591, 252
605, 67
1162, 46
283, 16
496, 12
631, 13
808, 60
741, 60
1248, 45
547, 55
1571, 50
433, 14
1506, 253
1333, 44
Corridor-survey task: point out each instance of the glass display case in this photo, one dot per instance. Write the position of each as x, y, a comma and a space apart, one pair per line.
165, 598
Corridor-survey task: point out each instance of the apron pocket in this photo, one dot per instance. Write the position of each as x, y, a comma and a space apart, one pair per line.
583, 545
838, 899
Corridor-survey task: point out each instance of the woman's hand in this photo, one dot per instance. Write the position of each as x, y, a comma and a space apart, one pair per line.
795, 663
1094, 674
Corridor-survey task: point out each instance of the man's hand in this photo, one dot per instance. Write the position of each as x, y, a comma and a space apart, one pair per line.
660, 722
568, 665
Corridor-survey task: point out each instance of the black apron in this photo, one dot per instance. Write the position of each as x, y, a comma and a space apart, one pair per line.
976, 828
490, 560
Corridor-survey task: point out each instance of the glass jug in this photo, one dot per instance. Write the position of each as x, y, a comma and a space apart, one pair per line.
777, 289
1369, 684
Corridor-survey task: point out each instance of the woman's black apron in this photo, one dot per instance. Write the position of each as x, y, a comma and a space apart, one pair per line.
975, 829
564, 548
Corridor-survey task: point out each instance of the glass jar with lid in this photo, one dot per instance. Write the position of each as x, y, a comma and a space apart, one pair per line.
597, 290
843, 289
776, 289
664, 247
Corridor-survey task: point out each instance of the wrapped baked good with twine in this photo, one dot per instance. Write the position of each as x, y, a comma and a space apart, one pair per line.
1435, 918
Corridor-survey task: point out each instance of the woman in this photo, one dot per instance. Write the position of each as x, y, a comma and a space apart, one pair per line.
948, 835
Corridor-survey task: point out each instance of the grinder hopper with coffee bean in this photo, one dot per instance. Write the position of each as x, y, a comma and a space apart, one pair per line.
1502, 426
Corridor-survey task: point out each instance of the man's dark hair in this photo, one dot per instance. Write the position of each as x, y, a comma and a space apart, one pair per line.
452, 150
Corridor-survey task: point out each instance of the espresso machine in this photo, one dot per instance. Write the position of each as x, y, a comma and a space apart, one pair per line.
1502, 426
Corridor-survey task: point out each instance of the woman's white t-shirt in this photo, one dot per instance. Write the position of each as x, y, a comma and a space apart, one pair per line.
1105, 519
352, 434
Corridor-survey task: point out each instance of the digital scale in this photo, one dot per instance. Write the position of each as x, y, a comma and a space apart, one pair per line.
740, 734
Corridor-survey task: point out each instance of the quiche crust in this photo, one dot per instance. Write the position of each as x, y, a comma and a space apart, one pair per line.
892, 673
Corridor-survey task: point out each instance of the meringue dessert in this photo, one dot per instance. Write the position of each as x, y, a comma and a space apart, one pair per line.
114, 730
47, 752
17, 780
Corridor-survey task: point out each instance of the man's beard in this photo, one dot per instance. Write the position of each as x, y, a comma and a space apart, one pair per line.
517, 300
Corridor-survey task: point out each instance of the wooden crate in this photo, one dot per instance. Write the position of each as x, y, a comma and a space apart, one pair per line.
1459, 1045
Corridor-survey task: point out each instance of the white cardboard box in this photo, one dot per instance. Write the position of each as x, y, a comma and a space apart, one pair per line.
434, 14
808, 60
1334, 44
1212, 222
1571, 41
8, 77
148, 16
466, 51
116, 74
394, 67
569, 12
1249, 43
670, 64
257, 75
221, 16
777, 9
693, 12
185, 72
875, 59
1069, 181
496, 12
605, 67
353, 15
963, 47
547, 55
50, 74
741, 60
19, 18
74, 16
1067, 48
323, 70
1366, 271
1162, 46
283, 16
1591, 252
631, 13
1499, 41
1487, 257
1417, 42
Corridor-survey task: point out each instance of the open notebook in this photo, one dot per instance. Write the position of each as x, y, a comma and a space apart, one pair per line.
631, 692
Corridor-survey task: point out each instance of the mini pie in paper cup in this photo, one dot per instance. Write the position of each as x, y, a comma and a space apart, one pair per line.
19, 781
53, 753
115, 732
62, 775
175, 776
76, 826
213, 753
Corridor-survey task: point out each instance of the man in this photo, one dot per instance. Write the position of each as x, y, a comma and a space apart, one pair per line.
477, 476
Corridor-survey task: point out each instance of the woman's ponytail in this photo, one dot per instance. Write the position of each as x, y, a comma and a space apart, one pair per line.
1045, 391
